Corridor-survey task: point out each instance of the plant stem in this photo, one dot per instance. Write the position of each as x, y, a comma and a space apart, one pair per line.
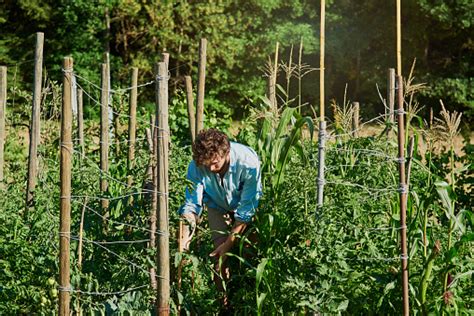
425, 220
288, 75
450, 231
426, 276
299, 75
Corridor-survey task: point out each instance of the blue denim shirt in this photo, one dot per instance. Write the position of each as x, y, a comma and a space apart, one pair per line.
239, 190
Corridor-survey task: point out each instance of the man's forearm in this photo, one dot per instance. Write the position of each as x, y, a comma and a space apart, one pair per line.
237, 229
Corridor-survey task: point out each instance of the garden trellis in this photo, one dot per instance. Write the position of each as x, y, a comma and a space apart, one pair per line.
159, 195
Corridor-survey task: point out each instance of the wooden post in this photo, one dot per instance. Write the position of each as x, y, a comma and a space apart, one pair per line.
35, 121
403, 195
201, 85
355, 119
399, 38
165, 57
322, 122
321, 59
80, 121
321, 162
104, 135
191, 111
65, 198
162, 145
3, 102
132, 122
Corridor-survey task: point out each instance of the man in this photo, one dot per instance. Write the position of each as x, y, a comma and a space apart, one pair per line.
225, 177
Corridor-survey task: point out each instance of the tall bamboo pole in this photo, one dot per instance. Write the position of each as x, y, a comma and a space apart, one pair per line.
191, 111
35, 120
399, 38
104, 135
403, 194
80, 121
321, 59
162, 147
201, 85
132, 122
3, 102
65, 204
322, 122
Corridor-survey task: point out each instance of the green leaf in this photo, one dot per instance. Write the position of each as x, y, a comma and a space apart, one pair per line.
343, 305
260, 270
443, 189
261, 297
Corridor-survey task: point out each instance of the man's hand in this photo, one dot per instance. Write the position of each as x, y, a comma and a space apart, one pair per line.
225, 247
188, 229
220, 252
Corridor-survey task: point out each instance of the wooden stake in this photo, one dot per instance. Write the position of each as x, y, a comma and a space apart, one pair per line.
321, 60
403, 195
80, 121
355, 119
65, 198
161, 152
3, 102
322, 122
399, 38
191, 111
104, 135
201, 85
132, 122
165, 57
35, 121
321, 162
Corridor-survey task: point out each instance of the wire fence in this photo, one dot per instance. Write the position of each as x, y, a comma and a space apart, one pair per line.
374, 192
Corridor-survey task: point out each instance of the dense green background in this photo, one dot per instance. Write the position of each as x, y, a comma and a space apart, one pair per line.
360, 40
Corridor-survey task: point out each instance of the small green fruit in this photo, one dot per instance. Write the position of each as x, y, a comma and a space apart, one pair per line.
53, 292
44, 300
51, 281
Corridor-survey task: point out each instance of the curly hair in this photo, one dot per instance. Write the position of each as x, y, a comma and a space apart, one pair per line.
209, 144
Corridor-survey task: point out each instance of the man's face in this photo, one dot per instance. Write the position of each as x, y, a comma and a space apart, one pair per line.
217, 164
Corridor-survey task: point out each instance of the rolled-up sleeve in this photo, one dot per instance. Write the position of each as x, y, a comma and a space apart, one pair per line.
194, 192
251, 193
